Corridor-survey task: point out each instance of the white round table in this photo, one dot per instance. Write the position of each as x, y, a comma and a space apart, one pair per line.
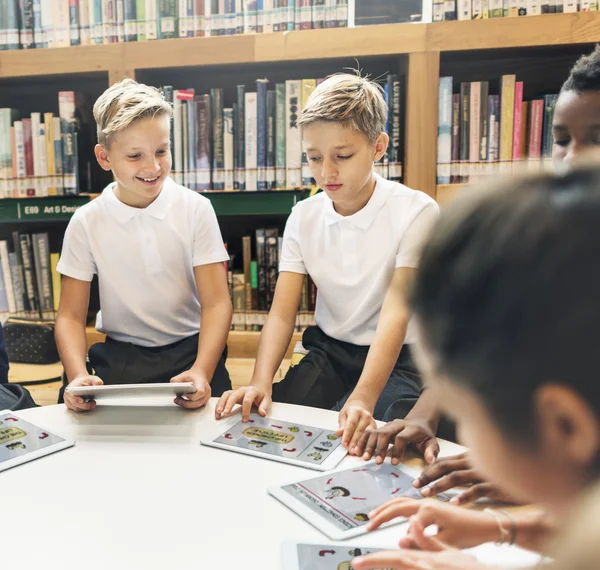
139, 491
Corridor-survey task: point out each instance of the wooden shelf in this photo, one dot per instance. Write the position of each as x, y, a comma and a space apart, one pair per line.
364, 41
241, 344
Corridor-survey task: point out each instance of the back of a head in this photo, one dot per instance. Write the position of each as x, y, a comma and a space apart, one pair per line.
349, 99
124, 103
508, 292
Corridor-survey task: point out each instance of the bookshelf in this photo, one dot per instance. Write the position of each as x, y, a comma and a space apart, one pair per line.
421, 53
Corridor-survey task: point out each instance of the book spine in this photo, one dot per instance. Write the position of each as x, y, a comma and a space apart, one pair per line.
228, 147
28, 149
74, 37
240, 147
38, 36
35, 147
547, 139
536, 120
203, 155
293, 139
507, 101
494, 137
261, 132
199, 30
50, 159
58, 156
130, 23
464, 131
140, 21
271, 118
396, 130
484, 128
250, 22
43, 162
517, 123
167, 26
151, 20
262, 269
308, 86
272, 257
29, 275
26, 39
474, 128
19, 154
280, 130
56, 284
216, 106
444, 141
12, 24
120, 20
66, 111
192, 143
16, 274
251, 141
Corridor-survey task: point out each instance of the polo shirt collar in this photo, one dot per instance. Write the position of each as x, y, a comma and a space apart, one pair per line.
364, 217
123, 213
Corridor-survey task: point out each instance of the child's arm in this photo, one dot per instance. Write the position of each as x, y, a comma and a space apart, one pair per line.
357, 414
71, 341
274, 341
211, 283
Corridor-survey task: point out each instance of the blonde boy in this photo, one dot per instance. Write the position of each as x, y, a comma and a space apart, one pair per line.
158, 254
359, 241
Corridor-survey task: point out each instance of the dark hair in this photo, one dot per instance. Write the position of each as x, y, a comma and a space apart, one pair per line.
508, 293
585, 74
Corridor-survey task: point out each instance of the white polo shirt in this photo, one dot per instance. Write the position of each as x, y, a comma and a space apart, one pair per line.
145, 260
352, 259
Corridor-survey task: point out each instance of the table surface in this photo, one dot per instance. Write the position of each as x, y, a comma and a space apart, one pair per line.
139, 491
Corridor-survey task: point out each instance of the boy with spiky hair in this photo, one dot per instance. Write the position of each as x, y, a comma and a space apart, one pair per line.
359, 240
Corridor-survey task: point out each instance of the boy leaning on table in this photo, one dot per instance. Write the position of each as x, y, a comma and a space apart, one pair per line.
158, 253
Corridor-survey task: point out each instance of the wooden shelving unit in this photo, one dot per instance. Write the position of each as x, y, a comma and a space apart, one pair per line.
420, 44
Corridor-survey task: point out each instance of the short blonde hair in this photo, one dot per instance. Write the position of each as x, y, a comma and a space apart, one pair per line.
124, 103
350, 99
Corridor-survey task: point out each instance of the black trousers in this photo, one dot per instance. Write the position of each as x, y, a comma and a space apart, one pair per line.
326, 376
117, 362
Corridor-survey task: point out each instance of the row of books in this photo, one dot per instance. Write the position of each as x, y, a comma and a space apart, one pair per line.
482, 134
482, 9
26, 24
255, 144
29, 281
38, 154
253, 287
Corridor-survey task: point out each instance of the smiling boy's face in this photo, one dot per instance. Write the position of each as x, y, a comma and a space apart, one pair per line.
140, 159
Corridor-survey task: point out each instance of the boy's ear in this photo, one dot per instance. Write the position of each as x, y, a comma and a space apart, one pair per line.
567, 422
102, 156
381, 144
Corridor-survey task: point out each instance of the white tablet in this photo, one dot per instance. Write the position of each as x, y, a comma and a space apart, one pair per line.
131, 390
338, 503
306, 446
308, 556
21, 441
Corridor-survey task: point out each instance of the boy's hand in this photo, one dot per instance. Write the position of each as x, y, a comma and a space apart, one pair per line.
355, 417
77, 403
247, 396
458, 471
198, 398
400, 433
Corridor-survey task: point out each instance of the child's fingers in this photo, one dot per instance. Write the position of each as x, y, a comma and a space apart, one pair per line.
264, 406
421, 540
398, 508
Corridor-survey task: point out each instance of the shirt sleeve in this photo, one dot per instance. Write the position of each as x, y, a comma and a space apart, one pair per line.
208, 242
76, 259
291, 253
409, 250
